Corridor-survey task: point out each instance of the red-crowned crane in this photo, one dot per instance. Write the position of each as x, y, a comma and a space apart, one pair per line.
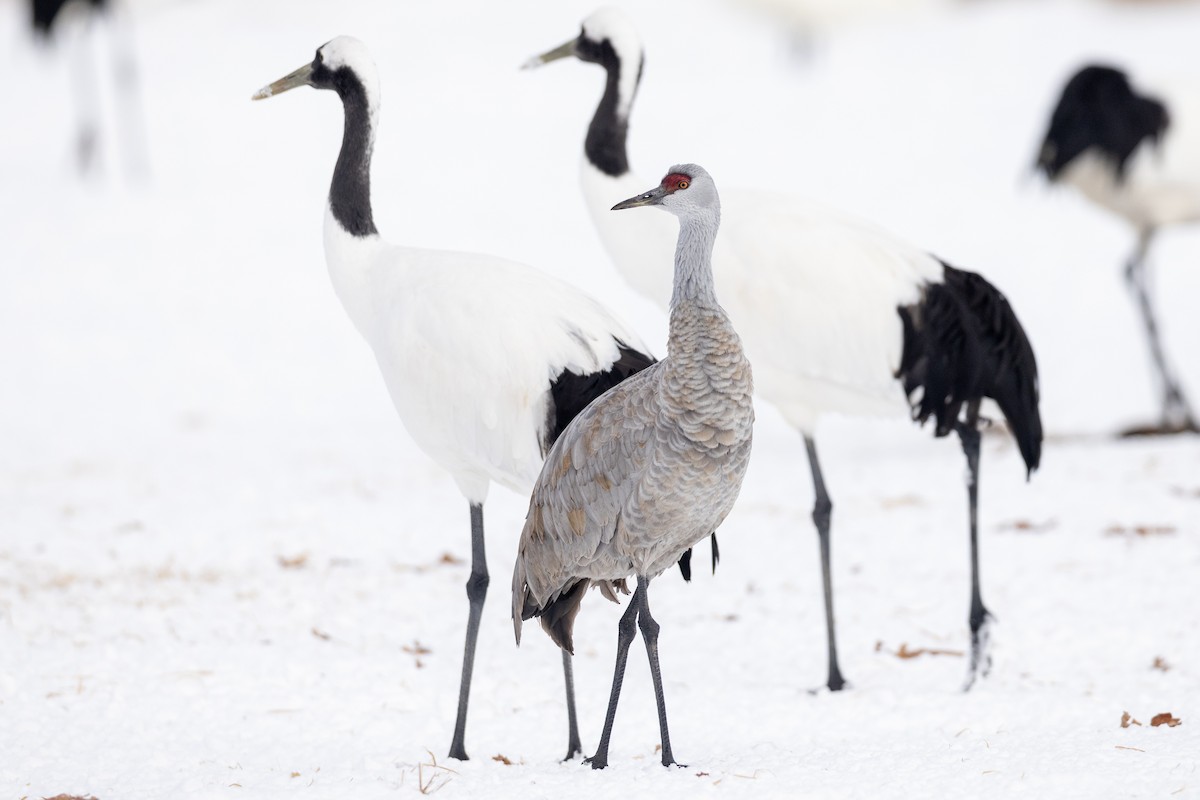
836, 314
486, 360
46, 18
651, 467
1135, 152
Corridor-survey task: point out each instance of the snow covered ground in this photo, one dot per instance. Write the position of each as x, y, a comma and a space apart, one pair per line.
225, 571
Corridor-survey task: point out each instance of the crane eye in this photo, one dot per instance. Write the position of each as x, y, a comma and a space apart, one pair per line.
683, 184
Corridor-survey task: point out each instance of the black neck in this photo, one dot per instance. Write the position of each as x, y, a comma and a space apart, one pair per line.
605, 143
350, 192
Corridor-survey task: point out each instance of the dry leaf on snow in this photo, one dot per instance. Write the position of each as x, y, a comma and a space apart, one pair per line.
1165, 718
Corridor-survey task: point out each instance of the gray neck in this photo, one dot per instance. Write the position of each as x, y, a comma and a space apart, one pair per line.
693, 260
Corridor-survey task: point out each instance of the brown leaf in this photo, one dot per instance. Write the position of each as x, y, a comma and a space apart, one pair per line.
1127, 720
1165, 718
904, 500
451, 559
1026, 526
905, 653
293, 562
416, 649
1160, 663
1140, 530
505, 760
325, 637
295, 774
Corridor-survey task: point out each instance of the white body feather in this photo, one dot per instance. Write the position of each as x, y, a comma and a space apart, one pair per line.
468, 345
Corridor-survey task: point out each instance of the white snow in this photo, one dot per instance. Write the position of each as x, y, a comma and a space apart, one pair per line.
186, 408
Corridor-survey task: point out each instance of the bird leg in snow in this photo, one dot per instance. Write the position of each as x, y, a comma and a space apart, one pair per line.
87, 92
625, 631
1176, 414
128, 94
574, 747
822, 511
981, 661
477, 586
649, 630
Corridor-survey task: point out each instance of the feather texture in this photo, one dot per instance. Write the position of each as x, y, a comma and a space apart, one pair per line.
651, 467
469, 346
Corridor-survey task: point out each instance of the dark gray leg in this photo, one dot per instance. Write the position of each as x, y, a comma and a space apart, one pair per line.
128, 92
625, 631
1176, 414
649, 630
822, 511
981, 661
477, 586
574, 748
87, 92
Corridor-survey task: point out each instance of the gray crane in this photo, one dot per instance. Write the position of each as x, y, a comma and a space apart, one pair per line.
648, 469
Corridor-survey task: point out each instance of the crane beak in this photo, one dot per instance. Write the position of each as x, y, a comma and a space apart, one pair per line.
300, 77
654, 197
564, 50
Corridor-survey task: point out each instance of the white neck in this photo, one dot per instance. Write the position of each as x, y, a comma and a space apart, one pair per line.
639, 241
351, 261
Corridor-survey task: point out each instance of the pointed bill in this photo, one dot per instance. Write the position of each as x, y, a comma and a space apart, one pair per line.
299, 77
650, 198
564, 50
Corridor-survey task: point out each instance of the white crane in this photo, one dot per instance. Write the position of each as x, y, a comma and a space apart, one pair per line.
837, 314
651, 467
486, 360
1135, 153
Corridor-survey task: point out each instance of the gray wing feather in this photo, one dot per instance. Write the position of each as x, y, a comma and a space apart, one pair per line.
589, 475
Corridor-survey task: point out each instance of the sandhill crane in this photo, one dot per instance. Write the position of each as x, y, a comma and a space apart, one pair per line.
1138, 155
837, 314
651, 467
485, 360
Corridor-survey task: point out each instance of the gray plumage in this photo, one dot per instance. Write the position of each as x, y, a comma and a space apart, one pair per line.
654, 465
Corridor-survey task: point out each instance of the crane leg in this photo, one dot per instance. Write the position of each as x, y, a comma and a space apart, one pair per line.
625, 632
87, 93
127, 94
1176, 413
822, 511
574, 747
477, 586
649, 629
980, 618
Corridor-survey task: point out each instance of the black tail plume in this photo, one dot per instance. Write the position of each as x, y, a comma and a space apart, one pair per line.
571, 393
963, 342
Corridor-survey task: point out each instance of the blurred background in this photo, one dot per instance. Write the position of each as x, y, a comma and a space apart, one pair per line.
185, 408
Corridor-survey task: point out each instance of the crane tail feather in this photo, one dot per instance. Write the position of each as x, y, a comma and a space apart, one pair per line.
962, 343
